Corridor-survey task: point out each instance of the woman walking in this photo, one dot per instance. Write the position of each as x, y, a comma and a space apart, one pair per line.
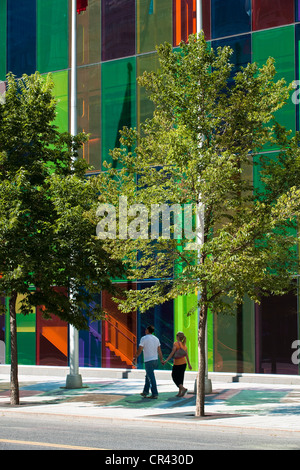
181, 358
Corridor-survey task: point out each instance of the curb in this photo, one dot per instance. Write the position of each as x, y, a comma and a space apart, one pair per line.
93, 372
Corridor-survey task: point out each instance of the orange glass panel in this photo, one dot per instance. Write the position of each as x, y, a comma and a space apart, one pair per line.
184, 20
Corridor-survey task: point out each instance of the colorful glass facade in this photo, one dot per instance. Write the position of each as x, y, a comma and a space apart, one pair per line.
115, 43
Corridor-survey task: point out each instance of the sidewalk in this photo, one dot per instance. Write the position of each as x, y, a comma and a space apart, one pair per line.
265, 406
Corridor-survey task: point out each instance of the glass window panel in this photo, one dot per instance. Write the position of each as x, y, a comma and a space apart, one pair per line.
241, 46
88, 34
246, 338
118, 28
232, 18
60, 92
277, 328
118, 102
162, 318
206, 23
52, 35
189, 325
89, 112
225, 343
90, 342
184, 20
21, 37
90, 345
271, 13
2, 333
119, 342
26, 334
145, 106
278, 43
3, 15
297, 62
154, 24
51, 340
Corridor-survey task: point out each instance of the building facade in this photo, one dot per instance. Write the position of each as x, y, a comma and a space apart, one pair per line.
116, 42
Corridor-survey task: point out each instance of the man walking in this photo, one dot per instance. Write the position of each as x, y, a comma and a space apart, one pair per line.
150, 345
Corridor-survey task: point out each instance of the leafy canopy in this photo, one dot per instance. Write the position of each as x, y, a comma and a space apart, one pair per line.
208, 131
47, 239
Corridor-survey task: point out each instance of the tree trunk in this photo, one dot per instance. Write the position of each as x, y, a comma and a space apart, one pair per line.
200, 398
14, 384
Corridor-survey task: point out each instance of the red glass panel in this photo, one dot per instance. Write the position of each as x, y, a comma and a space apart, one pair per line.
271, 13
206, 26
118, 335
81, 5
51, 340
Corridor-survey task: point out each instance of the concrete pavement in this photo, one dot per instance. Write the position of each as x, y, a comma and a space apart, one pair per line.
270, 403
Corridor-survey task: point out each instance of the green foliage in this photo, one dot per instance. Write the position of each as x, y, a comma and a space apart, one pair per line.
47, 238
199, 148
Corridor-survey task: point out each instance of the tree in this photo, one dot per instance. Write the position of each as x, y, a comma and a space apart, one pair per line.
196, 155
47, 239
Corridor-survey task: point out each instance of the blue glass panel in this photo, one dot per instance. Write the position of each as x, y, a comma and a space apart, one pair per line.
90, 342
3, 16
21, 36
90, 346
241, 46
230, 17
162, 318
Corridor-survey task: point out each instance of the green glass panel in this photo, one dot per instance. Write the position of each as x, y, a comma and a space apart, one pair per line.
248, 337
154, 24
25, 335
278, 43
7, 332
145, 107
60, 92
89, 34
3, 15
210, 341
89, 112
188, 324
52, 35
118, 102
225, 343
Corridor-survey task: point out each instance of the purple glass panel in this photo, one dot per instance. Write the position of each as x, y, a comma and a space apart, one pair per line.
276, 330
118, 29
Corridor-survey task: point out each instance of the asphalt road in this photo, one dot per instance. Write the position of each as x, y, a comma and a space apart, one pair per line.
21, 431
